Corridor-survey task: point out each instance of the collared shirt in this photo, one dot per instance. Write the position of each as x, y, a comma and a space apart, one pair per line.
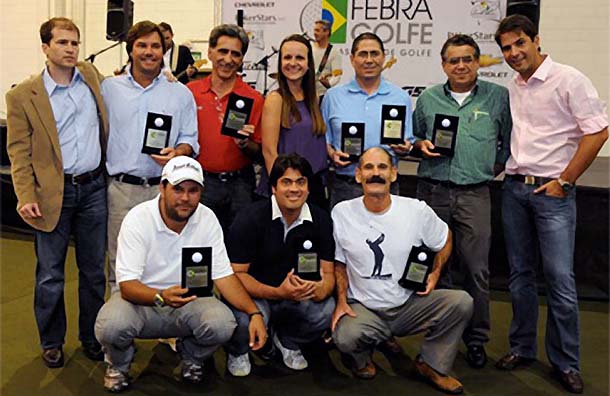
77, 122
484, 121
304, 215
350, 103
552, 111
148, 251
219, 153
128, 105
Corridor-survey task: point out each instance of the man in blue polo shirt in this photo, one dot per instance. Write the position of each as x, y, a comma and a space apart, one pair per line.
129, 98
361, 100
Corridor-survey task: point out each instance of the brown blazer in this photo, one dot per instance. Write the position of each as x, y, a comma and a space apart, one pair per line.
33, 145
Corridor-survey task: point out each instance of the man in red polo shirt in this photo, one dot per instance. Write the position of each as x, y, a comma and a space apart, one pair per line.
226, 161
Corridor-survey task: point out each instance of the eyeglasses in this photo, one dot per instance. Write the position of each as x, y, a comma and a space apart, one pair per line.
465, 59
288, 182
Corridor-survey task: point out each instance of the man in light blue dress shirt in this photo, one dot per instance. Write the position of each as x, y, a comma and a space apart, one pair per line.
134, 176
56, 140
361, 100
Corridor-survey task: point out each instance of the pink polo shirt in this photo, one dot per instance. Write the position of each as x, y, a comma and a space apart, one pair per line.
551, 112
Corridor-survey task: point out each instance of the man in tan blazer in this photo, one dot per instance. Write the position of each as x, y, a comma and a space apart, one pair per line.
57, 133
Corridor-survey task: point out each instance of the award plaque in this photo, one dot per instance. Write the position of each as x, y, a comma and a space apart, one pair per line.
419, 265
307, 261
352, 139
237, 115
156, 133
197, 271
444, 134
393, 124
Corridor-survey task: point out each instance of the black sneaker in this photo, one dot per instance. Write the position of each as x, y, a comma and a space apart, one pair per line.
93, 350
476, 356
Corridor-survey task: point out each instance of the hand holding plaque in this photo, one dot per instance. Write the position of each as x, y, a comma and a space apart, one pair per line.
197, 271
237, 115
392, 124
156, 133
419, 265
352, 139
444, 134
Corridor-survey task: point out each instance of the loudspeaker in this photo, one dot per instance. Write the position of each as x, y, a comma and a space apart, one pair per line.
528, 8
119, 19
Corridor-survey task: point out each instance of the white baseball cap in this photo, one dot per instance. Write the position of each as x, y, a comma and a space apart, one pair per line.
182, 168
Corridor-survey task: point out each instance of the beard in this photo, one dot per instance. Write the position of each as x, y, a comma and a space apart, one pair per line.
173, 214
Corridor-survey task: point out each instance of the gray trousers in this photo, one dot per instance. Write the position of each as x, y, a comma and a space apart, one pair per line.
202, 326
122, 197
467, 211
443, 315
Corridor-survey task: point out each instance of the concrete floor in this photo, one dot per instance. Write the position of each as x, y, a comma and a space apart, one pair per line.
23, 373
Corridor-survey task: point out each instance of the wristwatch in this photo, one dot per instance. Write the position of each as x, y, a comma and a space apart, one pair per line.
565, 185
159, 301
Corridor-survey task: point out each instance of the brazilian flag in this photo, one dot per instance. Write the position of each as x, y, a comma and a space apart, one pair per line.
335, 11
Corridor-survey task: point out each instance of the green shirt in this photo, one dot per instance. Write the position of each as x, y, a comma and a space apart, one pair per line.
483, 136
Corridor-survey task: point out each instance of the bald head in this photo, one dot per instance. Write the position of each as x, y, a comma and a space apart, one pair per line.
375, 149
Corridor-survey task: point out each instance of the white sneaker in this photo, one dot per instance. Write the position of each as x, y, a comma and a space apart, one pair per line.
238, 366
293, 358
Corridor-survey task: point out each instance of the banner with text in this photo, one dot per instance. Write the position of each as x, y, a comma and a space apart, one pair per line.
413, 31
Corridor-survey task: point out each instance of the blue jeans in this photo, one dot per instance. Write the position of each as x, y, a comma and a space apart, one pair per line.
539, 223
227, 198
294, 322
83, 214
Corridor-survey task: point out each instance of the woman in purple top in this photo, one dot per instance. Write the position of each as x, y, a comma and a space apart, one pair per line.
292, 121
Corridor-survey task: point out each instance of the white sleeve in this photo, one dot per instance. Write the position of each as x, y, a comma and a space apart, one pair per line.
131, 251
221, 266
434, 230
338, 230
335, 64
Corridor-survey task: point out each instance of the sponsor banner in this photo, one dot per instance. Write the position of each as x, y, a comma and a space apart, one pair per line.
413, 32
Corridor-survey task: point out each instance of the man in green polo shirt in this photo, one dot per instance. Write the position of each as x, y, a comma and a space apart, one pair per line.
456, 186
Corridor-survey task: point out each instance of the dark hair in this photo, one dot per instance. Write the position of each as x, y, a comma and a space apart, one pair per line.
142, 28
376, 148
285, 161
231, 31
325, 23
366, 36
166, 26
516, 23
290, 111
459, 40
46, 28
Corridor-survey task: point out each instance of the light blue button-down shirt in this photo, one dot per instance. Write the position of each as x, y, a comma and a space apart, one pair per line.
128, 105
350, 103
77, 122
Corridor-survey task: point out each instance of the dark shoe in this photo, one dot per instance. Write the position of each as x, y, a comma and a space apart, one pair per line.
53, 357
476, 356
511, 361
444, 383
93, 351
390, 347
571, 381
367, 372
115, 381
192, 372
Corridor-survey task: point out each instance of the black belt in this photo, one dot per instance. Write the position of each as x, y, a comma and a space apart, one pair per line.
83, 178
530, 180
450, 184
137, 180
349, 179
228, 176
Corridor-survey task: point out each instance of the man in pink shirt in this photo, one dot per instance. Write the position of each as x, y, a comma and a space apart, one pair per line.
559, 126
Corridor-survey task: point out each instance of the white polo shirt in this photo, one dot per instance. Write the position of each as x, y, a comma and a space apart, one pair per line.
407, 223
150, 252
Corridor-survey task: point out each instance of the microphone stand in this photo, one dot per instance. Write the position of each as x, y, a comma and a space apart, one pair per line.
264, 62
91, 58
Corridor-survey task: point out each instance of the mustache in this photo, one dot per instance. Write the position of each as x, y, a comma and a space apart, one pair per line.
375, 179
